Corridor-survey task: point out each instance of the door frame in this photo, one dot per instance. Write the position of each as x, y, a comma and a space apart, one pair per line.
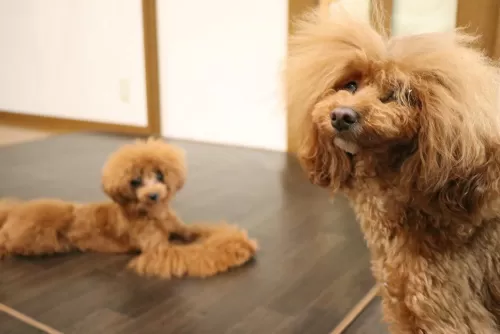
481, 17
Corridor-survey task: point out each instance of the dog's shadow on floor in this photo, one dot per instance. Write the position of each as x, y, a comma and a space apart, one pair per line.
175, 239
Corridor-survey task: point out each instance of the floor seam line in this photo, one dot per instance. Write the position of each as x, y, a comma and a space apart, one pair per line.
356, 310
28, 320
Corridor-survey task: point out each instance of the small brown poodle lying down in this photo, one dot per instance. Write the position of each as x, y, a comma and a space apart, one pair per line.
141, 179
408, 129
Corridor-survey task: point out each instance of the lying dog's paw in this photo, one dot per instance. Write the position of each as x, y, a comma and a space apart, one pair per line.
186, 237
3, 253
163, 262
203, 258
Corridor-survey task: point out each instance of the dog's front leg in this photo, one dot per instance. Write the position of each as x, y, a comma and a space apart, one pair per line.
175, 225
3, 252
442, 312
3, 248
150, 237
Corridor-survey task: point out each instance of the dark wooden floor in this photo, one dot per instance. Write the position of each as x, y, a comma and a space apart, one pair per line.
312, 268
11, 325
369, 321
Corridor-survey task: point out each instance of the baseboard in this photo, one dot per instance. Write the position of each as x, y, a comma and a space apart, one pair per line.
62, 125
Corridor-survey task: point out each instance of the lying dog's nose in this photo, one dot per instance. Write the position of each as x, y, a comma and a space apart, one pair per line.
153, 197
343, 118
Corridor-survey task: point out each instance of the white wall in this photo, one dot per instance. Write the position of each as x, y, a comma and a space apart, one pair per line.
220, 63
358, 8
412, 17
78, 59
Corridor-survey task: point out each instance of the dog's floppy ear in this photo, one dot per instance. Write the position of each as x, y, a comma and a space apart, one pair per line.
115, 191
115, 182
176, 179
326, 165
171, 159
456, 87
448, 172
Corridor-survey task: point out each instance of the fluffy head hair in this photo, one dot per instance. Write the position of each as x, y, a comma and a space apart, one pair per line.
144, 174
426, 104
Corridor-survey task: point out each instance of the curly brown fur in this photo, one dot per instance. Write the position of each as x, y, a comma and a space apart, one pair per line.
218, 248
141, 179
420, 162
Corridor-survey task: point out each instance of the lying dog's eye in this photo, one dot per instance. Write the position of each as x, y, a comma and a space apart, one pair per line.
136, 182
391, 96
351, 86
159, 176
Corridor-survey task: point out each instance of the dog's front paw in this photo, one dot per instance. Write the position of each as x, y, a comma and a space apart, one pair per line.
185, 235
147, 265
138, 264
3, 253
189, 236
152, 242
164, 262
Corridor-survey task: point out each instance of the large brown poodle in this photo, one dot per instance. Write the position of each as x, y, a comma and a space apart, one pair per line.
141, 179
408, 129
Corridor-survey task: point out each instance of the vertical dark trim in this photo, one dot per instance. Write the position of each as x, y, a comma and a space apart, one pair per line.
480, 17
496, 48
151, 65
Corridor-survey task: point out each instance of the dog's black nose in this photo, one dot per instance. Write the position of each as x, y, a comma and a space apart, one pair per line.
153, 197
343, 118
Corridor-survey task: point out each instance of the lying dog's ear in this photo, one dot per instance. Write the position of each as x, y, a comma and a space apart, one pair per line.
326, 165
171, 160
117, 187
176, 180
114, 193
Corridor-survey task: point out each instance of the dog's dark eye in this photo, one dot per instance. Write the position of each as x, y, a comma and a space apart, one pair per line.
389, 97
136, 182
351, 86
159, 176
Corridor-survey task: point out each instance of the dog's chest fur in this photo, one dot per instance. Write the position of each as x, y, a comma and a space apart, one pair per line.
379, 216
416, 275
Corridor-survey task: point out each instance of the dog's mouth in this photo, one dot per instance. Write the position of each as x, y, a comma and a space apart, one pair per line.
346, 145
145, 207
348, 140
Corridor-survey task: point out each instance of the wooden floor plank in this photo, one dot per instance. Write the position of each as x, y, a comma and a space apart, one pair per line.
356, 310
313, 266
14, 322
369, 321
